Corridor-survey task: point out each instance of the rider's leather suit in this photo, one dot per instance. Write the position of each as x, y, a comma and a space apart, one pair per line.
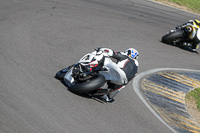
126, 68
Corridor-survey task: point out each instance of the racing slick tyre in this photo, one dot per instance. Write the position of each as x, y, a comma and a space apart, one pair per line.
172, 36
88, 86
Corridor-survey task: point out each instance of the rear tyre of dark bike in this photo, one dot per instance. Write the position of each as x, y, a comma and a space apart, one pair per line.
88, 86
173, 36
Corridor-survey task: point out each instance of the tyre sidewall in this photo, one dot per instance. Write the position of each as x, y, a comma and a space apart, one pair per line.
172, 36
88, 86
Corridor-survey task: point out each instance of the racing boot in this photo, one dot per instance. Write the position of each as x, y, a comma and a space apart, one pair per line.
107, 98
115, 92
194, 48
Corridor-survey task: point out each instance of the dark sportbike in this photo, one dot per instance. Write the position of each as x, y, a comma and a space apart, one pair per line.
183, 37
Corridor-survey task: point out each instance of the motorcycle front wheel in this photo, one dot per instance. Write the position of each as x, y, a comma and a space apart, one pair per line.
172, 36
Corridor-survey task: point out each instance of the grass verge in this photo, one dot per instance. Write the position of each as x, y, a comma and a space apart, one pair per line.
191, 5
196, 95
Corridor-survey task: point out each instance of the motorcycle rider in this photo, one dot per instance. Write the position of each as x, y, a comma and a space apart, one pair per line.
192, 36
126, 66
195, 23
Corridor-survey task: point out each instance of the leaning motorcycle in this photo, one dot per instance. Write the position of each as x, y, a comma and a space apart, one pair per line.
179, 37
88, 76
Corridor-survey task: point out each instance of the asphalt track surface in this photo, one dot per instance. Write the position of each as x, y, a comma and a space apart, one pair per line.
40, 37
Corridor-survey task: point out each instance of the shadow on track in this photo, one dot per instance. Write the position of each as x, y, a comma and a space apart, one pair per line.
181, 47
88, 96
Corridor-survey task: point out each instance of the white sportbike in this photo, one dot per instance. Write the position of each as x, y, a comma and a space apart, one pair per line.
89, 77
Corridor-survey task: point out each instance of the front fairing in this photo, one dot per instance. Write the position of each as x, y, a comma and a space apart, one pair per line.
90, 59
198, 34
68, 79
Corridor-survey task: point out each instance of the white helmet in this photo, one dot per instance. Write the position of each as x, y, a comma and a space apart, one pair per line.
132, 53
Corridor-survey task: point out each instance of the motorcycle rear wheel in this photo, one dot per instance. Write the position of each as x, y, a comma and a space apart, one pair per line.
88, 86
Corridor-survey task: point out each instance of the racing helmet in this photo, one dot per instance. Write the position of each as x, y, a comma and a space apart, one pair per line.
132, 53
197, 22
